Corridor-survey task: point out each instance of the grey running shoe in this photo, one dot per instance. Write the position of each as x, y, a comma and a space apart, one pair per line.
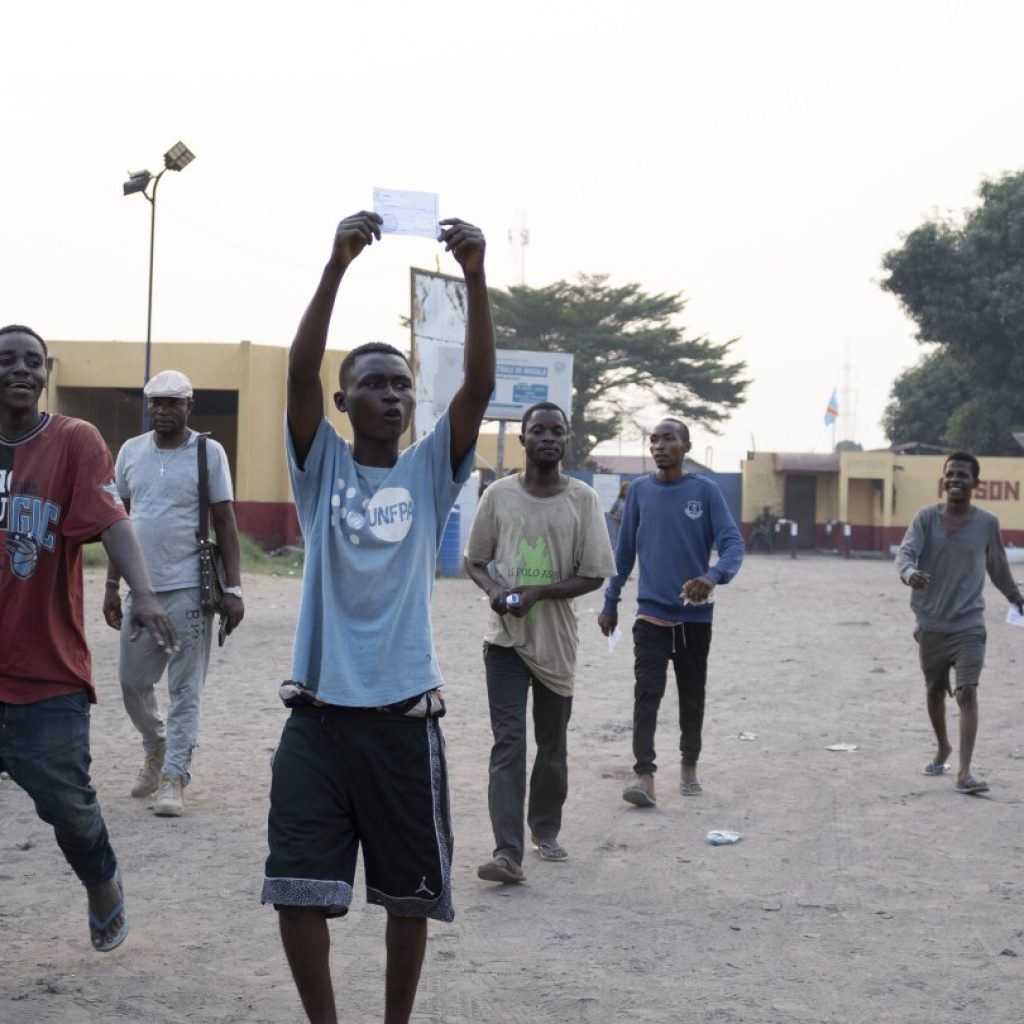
169, 800
640, 791
148, 779
501, 869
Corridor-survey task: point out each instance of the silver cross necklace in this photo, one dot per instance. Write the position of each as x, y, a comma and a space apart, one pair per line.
163, 459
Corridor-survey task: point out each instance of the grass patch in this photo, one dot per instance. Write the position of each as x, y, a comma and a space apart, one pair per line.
94, 557
254, 559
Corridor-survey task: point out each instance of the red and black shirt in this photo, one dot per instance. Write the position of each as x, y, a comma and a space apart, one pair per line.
57, 493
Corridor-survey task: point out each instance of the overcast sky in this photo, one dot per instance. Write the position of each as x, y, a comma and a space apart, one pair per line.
760, 158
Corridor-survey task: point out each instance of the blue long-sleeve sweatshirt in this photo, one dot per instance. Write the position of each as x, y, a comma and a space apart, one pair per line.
671, 526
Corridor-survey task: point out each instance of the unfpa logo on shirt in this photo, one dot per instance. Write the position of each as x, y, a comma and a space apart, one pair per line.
694, 509
389, 514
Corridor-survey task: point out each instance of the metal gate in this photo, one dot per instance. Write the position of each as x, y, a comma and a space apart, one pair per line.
800, 505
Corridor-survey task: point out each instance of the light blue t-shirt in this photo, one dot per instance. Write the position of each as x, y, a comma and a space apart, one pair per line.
363, 637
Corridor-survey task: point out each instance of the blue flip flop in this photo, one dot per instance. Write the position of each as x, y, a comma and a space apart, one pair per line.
98, 927
972, 785
935, 768
549, 849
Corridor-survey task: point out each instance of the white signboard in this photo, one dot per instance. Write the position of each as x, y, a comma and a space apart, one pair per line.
522, 379
439, 328
525, 378
438, 321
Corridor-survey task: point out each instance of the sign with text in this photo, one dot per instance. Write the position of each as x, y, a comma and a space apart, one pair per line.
522, 379
438, 322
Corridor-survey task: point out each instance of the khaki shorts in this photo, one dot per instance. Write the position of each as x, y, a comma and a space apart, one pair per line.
940, 652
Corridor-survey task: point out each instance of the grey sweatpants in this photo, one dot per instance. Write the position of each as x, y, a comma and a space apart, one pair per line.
142, 665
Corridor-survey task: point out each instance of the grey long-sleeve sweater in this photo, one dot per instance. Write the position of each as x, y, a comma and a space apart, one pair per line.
953, 602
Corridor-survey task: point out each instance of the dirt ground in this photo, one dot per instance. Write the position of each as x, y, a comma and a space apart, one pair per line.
861, 891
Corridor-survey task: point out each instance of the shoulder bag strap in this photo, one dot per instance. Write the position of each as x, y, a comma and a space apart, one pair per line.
204, 491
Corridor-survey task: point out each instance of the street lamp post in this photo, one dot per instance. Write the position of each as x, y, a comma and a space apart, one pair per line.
176, 158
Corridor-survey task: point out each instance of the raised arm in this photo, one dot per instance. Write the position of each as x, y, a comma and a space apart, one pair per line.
466, 411
305, 395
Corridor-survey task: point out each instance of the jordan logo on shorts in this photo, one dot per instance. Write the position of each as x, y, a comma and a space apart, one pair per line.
423, 887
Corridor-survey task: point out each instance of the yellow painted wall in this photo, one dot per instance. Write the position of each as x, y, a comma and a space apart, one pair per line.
761, 485
908, 482
864, 503
1001, 491
827, 501
257, 372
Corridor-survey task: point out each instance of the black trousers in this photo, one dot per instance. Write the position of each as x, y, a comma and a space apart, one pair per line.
686, 646
508, 687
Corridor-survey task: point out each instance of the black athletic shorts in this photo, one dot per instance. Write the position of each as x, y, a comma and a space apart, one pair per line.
345, 778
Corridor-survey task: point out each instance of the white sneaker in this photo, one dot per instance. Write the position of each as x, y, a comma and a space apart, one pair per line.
148, 779
169, 802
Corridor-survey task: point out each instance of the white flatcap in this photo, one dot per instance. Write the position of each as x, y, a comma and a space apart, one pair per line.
168, 384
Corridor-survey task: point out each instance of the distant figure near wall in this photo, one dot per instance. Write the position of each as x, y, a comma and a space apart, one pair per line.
762, 538
614, 516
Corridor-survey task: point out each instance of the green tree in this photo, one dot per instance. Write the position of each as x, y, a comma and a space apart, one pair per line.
627, 354
963, 285
924, 397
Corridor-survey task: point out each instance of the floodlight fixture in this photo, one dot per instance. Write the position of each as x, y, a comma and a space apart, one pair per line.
178, 157
137, 182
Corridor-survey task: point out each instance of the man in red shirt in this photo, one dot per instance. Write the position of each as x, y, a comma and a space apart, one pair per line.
57, 493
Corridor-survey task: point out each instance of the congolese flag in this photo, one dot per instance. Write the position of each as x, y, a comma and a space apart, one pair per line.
832, 409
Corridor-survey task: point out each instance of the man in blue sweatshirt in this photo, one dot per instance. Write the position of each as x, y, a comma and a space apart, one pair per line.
670, 523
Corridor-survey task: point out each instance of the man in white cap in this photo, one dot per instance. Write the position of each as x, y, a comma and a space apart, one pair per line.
157, 475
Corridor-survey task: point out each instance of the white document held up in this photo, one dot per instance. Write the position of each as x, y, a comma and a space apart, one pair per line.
1014, 617
407, 213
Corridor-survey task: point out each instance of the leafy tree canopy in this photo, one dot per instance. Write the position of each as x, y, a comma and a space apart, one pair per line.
627, 354
924, 398
963, 285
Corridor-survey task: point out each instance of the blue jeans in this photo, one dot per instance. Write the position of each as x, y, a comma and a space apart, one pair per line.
44, 747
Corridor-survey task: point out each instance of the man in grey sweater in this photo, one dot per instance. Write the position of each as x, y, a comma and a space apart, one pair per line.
944, 557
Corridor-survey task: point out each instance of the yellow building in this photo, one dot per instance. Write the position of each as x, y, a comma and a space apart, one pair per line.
875, 493
240, 392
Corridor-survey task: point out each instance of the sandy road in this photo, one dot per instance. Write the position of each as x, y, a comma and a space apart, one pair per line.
861, 891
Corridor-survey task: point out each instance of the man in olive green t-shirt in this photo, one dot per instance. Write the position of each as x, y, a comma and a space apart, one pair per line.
543, 534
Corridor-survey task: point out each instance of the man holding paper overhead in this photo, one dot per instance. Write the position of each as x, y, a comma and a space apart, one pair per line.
943, 558
361, 763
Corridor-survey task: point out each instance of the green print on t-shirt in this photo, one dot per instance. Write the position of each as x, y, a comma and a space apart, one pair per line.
533, 568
